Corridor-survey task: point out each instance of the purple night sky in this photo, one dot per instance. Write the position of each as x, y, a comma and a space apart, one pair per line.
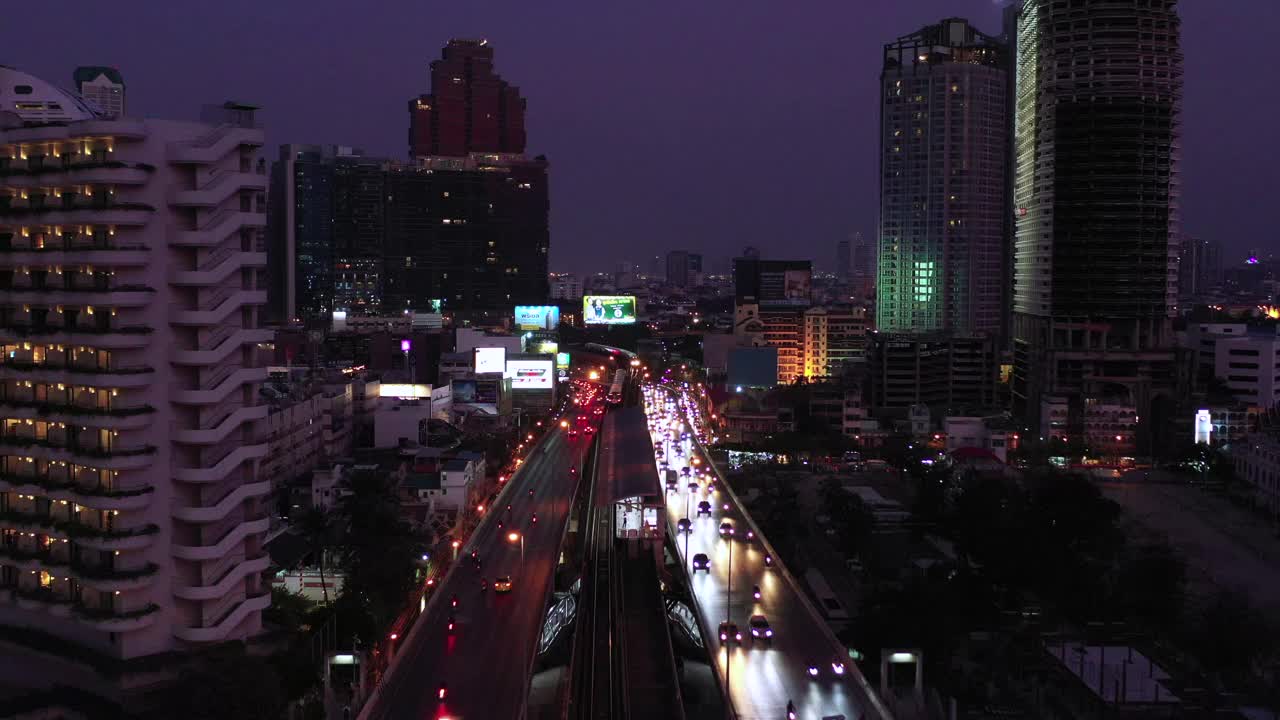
706, 126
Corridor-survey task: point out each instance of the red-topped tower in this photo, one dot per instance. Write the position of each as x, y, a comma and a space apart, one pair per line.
470, 107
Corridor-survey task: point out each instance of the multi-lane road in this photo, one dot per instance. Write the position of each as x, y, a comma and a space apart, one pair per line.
761, 678
485, 660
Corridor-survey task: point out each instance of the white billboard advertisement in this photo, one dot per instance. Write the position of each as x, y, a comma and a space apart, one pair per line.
531, 374
537, 317
491, 359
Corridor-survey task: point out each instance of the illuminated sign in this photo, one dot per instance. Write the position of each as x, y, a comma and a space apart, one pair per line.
547, 347
403, 390
537, 317
609, 309
562, 360
490, 359
1203, 427
531, 374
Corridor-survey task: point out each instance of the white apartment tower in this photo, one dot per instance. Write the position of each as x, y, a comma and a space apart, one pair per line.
131, 282
102, 86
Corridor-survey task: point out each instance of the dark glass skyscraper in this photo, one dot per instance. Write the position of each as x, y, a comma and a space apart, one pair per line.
323, 212
1098, 90
943, 150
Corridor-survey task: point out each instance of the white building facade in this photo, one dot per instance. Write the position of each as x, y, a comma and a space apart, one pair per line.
131, 260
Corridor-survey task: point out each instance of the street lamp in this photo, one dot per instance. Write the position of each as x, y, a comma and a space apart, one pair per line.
512, 537
456, 544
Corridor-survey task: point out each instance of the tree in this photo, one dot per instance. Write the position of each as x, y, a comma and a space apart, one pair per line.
378, 552
1231, 637
288, 610
318, 528
1150, 585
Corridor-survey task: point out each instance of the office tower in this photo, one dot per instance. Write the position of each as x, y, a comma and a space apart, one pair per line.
360, 237
684, 269
470, 108
1199, 267
772, 283
943, 138
302, 228
1098, 90
844, 260
131, 263
102, 86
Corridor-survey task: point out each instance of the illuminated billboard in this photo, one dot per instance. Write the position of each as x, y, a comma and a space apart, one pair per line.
609, 309
546, 347
537, 317
562, 360
531, 374
491, 359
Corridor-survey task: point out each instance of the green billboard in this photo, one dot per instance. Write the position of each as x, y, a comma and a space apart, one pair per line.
609, 309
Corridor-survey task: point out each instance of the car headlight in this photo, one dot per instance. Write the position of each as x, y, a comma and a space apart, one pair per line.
768, 633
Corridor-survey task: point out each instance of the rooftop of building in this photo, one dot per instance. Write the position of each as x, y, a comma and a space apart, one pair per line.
88, 73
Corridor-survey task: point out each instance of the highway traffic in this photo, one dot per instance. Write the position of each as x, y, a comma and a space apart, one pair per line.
471, 659
774, 653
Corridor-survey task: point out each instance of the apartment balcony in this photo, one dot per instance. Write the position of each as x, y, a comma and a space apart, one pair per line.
223, 349
115, 579
219, 432
219, 392
87, 535
232, 539
228, 305
101, 251
124, 128
223, 468
243, 569
71, 375
219, 510
135, 418
91, 172
127, 296
118, 621
121, 214
108, 458
218, 228
218, 268
223, 141
97, 497
219, 189
106, 338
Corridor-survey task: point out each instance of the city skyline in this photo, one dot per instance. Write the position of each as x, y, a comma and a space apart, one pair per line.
704, 91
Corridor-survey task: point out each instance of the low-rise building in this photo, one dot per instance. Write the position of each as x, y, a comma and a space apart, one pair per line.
993, 433
309, 423
1257, 462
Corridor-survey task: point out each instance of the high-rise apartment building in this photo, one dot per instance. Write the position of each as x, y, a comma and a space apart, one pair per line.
1199, 267
844, 261
835, 341
684, 269
470, 108
943, 149
102, 86
1098, 89
131, 282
